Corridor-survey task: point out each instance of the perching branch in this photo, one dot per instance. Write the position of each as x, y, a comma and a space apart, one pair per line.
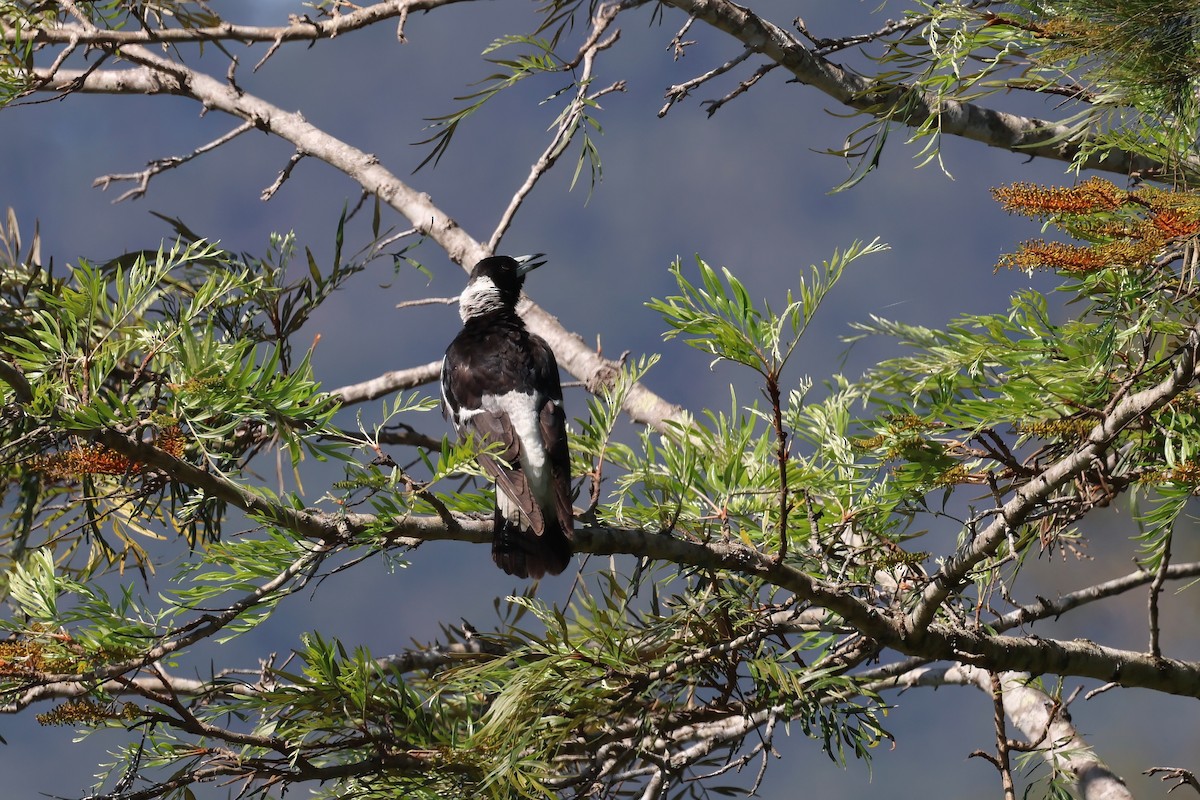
937, 642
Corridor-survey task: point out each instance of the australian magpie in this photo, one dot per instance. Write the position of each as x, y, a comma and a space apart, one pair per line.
500, 383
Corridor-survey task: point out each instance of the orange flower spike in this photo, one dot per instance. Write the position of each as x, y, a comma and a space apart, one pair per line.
1173, 223
1092, 196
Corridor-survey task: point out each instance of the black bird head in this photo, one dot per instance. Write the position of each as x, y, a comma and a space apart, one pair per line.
495, 284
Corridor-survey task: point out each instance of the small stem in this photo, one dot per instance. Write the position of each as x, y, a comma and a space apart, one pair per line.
781, 455
1002, 760
1156, 586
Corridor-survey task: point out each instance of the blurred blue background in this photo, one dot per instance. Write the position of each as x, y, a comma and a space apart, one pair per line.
747, 188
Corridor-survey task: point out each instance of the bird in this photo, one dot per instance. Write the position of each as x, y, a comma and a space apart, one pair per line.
500, 385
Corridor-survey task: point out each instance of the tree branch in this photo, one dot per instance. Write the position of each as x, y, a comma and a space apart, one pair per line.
1044, 608
159, 75
937, 642
306, 30
1026, 499
17, 381
219, 687
1025, 135
159, 165
1037, 716
389, 382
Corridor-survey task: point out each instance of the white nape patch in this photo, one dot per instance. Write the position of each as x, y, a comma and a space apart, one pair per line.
480, 297
522, 409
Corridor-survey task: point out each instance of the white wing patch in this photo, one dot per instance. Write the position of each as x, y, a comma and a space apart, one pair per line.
521, 408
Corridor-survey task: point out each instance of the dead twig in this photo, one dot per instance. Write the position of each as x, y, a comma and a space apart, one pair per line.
1185, 777
569, 120
681, 90
160, 165
284, 174
712, 106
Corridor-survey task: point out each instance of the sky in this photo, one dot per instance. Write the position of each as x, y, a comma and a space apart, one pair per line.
748, 188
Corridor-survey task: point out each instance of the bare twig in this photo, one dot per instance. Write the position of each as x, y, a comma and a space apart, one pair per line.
1003, 762
1044, 609
1185, 777
388, 382
1160, 577
284, 174
678, 45
428, 301
713, 106
272, 50
570, 118
159, 165
679, 91
1099, 690
61, 58
826, 46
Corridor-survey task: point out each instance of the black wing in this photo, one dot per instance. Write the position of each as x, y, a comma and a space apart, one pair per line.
503, 465
496, 359
552, 421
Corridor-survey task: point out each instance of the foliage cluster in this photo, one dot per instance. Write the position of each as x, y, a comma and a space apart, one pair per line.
790, 553
1126, 70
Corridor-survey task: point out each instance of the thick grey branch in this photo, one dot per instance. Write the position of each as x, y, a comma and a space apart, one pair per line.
1039, 718
159, 75
306, 30
1026, 135
939, 642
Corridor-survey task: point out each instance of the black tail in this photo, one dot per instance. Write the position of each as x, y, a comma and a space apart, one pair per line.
527, 555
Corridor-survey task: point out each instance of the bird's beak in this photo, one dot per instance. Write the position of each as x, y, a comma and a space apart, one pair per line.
529, 263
